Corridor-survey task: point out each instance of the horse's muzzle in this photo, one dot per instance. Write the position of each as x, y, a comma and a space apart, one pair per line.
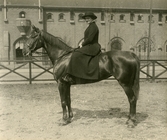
26, 53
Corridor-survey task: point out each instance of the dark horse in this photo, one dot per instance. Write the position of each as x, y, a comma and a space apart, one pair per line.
123, 65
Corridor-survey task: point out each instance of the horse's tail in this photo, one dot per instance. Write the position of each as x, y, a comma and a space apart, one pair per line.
136, 82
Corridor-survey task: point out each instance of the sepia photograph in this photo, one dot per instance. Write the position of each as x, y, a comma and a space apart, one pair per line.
83, 70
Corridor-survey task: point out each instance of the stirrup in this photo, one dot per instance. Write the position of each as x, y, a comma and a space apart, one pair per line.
65, 78
68, 78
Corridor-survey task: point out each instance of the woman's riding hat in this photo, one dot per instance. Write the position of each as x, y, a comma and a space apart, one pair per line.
89, 14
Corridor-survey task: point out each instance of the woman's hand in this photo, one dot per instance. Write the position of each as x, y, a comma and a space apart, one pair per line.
80, 45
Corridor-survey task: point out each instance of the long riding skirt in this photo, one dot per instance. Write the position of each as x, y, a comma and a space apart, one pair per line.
84, 66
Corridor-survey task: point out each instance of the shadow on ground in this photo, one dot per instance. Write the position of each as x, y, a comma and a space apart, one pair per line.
106, 114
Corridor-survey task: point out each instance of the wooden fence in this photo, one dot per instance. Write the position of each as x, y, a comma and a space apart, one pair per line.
39, 70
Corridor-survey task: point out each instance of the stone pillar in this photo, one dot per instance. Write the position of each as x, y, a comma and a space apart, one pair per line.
6, 45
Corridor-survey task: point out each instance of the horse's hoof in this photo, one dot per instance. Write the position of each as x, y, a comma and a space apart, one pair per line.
130, 123
66, 121
63, 122
69, 120
131, 126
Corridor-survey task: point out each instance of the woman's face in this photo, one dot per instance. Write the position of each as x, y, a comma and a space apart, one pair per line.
88, 20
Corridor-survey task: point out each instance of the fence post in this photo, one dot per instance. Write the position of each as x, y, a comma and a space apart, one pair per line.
148, 70
153, 71
30, 73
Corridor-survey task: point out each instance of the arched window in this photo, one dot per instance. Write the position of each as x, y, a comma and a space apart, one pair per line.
72, 14
80, 17
122, 18
49, 17
132, 16
61, 17
102, 16
112, 17
19, 45
116, 43
140, 18
22, 14
150, 18
160, 17
143, 43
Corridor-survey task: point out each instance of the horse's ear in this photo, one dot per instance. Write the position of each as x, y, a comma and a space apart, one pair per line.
32, 26
35, 28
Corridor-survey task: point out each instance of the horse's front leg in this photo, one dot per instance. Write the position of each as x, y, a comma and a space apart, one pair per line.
63, 99
64, 90
68, 99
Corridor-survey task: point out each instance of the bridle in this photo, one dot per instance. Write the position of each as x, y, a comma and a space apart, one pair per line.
35, 39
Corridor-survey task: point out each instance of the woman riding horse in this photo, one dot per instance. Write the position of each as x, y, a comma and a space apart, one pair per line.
123, 65
85, 56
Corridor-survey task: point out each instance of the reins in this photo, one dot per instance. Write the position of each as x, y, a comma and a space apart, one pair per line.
64, 54
36, 38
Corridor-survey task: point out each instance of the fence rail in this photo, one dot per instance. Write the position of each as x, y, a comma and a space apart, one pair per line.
36, 70
27, 70
153, 69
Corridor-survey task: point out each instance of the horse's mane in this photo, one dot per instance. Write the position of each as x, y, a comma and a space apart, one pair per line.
56, 41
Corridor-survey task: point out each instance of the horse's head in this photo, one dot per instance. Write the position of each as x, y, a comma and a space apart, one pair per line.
34, 41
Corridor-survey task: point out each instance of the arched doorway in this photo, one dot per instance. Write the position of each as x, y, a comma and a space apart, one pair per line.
165, 46
142, 47
116, 43
18, 47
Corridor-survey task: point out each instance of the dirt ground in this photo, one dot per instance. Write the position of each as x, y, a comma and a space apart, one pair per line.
33, 112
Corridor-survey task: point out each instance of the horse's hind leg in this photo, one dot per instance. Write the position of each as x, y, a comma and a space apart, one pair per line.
132, 101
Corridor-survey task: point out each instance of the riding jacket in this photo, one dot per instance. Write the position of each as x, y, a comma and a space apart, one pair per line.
90, 44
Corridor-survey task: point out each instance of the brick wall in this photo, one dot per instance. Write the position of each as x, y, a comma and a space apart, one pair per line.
130, 33
72, 33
